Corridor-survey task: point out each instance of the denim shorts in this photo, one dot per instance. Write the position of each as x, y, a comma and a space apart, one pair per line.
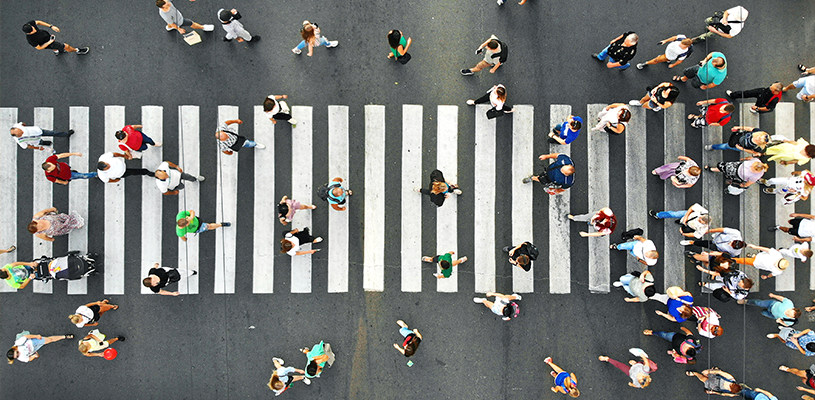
202, 228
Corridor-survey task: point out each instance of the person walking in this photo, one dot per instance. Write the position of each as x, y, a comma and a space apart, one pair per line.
727, 285
684, 345
566, 132
49, 223
659, 98
693, 222
42, 39
717, 382
707, 322
169, 176
230, 142
317, 358
803, 341
399, 46
726, 24
613, 118
644, 250
94, 343
744, 138
802, 227
807, 86
312, 37
91, 313
768, 259
187, 222
790, 153
445, 262
277, 109
412, 339
683, 174
497, 97
283, 377
176, 21
159, 277
796, 187
799, 251
725, 240
112, 168
603, 221
439, 188
495, 54
757, 394
619, 51
132, 141
766, 97
18, 274
60, 172
740, 174
30, 137
679, 303
234, 29
712, 112
504, 306
558, 176
294, 239
708, 74
678, 48
638, 372
522, 255
26, 346
807, 377
638, 284
336, 194
565, 382
778, 308
287, 207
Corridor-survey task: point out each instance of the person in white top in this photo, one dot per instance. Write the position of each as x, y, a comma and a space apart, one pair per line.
800, 251
175, 20
497, 97
169, 176
234, 29
277, 109
802, 227
695, 222
312, 36
495, 53
292, 240
89, 314
26, 346
111, 168
768, 259
30, 137
679, 47
727, 25
640, 248
613, 118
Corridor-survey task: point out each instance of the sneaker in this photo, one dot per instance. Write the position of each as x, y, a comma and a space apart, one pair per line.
500, 2
279, 360
686, 242
167, 27
209, 27
479, 300
458, 192
773, 228
70, 132
260, 146
729, 93
56, 52
466, 72
255, 38
596, 56
471, 102
634, 103
617, 284
527, 180
641, 65
317, 240
708, 147
547, 360
296, 50
157, 144
83, 50
753, 111
307, 381
518, 297
690, 253
653, 214
226, 39
194, 273
121, 338
200, 178
226, 224
763, 181
506, 249
333, 43
769, 190
417, 190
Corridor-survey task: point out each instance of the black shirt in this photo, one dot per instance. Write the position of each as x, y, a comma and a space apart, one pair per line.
96, 315
767, 99
165, 277
620, 53
39, 37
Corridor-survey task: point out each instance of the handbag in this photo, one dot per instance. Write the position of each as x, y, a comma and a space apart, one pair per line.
493, 113
404, 59
192, 38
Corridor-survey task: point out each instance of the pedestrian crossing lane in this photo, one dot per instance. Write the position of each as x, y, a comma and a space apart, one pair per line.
114, 265
636, 179
151, 198
337, 238
189, 150
784, 125
43, 195
373, 268
485, 245
302, 164
8, 196
748, 202
78, 189
447, 215
264, 248
226, 204
559, 237
411, 237
598, 182
673, 259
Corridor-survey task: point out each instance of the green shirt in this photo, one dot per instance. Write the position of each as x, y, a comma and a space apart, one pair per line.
710, 74
18, 273
191, 228
449, 258
403, 43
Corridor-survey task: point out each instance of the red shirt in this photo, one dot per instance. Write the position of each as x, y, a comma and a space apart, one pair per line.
133, 141
604, 221
62, 171
714, 115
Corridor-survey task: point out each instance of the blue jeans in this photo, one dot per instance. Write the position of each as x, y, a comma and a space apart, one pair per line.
81, 175
250, 143
723, 146
766, 304
670, 214
751, 394
604, 54
322, 41
46, 132
628, 246
665, 335
405, 331
145, 141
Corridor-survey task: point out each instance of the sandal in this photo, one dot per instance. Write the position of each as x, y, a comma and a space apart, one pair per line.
12, 248
612, 246
677, 78
802, 67
784, 368
350, 193
69, 336
689, 372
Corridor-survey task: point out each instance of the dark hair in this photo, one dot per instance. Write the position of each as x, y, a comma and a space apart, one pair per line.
576, 125
412, 345
523, 259
690, 353
160, 3
673, 93
748, 283
311, 368
394, 37
45, 165
285, 246
28, 28
501, 91
225, 15
444, 264
507, 311
32, 227
625, 115
182, 222
147, 282
120, 135
4, 274
796, 312
493, 44
810, 346
10, 355
268, 104
282, 209
686, 312
729, 108
737, 244
649, 291
102, 166
810, 150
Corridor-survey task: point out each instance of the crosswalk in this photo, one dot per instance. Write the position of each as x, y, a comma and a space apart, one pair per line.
552, 273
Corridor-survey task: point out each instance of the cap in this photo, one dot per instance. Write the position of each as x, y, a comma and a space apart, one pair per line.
809, 178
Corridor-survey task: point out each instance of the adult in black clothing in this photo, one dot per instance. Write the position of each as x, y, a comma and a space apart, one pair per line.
439, 188
685, 346
41, 39
619, 51
522, 255
766, 97
160, 277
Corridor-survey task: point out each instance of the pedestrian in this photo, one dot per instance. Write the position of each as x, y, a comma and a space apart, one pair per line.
807, 376
566, 132
412, 339
60, 172
313, 38
802, 227
112, 168
707, 322
728, 285
439, 188
175, 20
714, 260
712, 112
613, 118
796, 187
522, 255
717, 382
89, 314
495, 54
287, 207
603, 221
49, 223
708, 74
94, 343
294, 239
26, 346
283, 377
399, 46
638, 284
445, 263
683, 174
41, 39
726, 24
132, 141
159, 277
644, 250
558, 176
619, 51
30, 137
565, 382
684, 345
679, 302
726, 240
678, 48
505, 306
169, 176
766, 97
234, 29
807, 86
789, 152
497, 97
659, 98
800, 251
803, 341
778, 308
757, 394
276, 109
740, 174
336, 194
693, 222
639, 372
744, 138
187, 222
230, 142
767, 259
18, 274
317, 358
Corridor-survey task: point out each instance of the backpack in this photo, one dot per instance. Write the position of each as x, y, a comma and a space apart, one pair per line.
324, 190
533, 251
629, 234
516, 309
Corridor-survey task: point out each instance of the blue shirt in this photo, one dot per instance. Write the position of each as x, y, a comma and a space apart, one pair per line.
554, 174
567, 134
673, 307
803, 340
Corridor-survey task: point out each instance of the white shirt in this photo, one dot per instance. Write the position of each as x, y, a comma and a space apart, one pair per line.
86, 314
494, 100
806, 228
612, 116
172, 181
488, 53
735, 18
25, 347
640, 248
295, 244
795, 251
275, 109
116, 170
674, 49
768, 260
699, 228
31, 135
234, 29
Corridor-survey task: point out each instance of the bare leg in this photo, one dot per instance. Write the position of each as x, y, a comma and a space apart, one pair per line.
481, 65
52, 339
196, 25
797, 372
68, 48
487, 304
459, 261
307, 207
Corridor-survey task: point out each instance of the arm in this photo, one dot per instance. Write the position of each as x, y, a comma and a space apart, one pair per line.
302, 253
137, 127
171, 165
166, 293
43, 23
715, 230
803, 389
46, 44
497, 64
548, 156
46, 211
25, 283
684, 158
615, 39
754, 247
677, 62
61, 182
666, 316
686, 331
310, 49
338, 207
44, 237
416, 332
708, 86
405, 49
396, 346
776, 297
233, 121
66, 155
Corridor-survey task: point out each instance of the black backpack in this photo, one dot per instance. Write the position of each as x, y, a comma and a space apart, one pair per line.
324, 190
533, 252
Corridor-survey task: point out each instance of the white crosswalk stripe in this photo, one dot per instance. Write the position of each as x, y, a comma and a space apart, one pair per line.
483, 257
560, 268
749, 200
784, 125
8, 196
636, 204
78, 190
373, 269
189, 150
447, 216
672, 257
151, 203
264, 246
114, 269
598, 179
411, 202
337, 238
226, 207
43, 196
302, 164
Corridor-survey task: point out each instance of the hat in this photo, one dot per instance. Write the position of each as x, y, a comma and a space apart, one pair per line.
225, 15
782, 264
809, 178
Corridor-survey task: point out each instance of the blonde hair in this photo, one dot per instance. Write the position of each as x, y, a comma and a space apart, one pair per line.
760, 166
84, 347
75, 318
275, 381
438, 187
575, 392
